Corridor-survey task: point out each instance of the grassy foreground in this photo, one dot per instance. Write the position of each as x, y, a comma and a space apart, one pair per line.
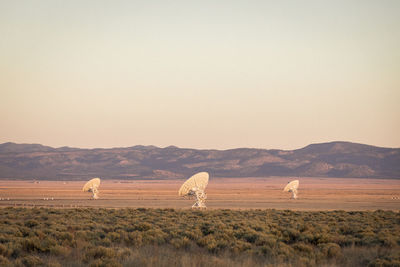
167, 237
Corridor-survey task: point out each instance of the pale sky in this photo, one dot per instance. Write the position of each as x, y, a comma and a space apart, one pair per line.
200, 74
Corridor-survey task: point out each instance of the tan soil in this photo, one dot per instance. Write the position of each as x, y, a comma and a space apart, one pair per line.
225, 193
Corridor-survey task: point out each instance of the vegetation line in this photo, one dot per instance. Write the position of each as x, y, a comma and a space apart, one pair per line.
169, 237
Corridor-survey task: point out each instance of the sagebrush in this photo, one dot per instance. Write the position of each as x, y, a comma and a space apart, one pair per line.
168, 237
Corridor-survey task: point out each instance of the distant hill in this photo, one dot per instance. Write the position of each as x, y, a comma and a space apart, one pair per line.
335, 159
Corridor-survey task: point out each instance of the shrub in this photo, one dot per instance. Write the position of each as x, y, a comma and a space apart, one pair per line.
331, 250
113, 236
123, 253
4, 261
31, 223
267, 251
53, 263
31, 245
255, 237
3, 250
241, 246
99, 252
60, 251
285, 250
180, 242
105, 263
250, 237
266, 240
303, 248
143, 227
155, 236
383, 263
32, 260
134, 239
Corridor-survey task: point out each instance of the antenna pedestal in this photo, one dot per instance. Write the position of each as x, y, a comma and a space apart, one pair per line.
294, 193
94, 192
201, 197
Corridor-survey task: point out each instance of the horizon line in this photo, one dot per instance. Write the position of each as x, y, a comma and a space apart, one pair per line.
164, 147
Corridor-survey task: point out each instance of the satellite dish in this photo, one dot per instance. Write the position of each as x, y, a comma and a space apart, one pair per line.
292, 187
92, 186
194, 187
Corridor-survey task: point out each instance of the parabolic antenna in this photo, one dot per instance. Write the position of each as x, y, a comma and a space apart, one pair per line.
194, 187
292, 187
92, 186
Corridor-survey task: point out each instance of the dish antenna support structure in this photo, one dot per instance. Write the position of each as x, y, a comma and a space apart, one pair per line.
92, 186
194, 188
292, 187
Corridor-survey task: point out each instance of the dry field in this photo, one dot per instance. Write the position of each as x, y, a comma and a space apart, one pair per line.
223, 193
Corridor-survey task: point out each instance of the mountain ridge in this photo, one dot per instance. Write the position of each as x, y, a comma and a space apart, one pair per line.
332, 159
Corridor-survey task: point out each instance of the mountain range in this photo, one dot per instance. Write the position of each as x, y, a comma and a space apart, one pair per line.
334, 159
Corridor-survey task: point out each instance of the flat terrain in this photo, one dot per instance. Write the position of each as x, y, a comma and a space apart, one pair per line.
223, 193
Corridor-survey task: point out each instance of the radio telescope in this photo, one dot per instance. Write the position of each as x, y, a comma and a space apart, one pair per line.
292, 187
92, 186
194, 187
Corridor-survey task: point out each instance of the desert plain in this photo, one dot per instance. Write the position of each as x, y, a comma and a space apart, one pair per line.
223, 193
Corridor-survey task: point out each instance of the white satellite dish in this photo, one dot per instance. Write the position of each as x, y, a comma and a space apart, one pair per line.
292, 187
92, 186
194, 187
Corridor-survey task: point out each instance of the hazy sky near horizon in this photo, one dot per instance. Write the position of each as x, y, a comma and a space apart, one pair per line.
200, 74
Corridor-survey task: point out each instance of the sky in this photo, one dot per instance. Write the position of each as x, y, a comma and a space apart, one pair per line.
200, 74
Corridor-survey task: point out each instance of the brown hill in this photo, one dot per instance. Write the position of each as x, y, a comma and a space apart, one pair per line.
335, 159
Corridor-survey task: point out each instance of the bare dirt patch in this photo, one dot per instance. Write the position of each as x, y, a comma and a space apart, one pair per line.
223, 193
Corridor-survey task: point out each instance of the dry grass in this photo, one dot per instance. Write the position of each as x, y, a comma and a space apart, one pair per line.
234, 193
168, 237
